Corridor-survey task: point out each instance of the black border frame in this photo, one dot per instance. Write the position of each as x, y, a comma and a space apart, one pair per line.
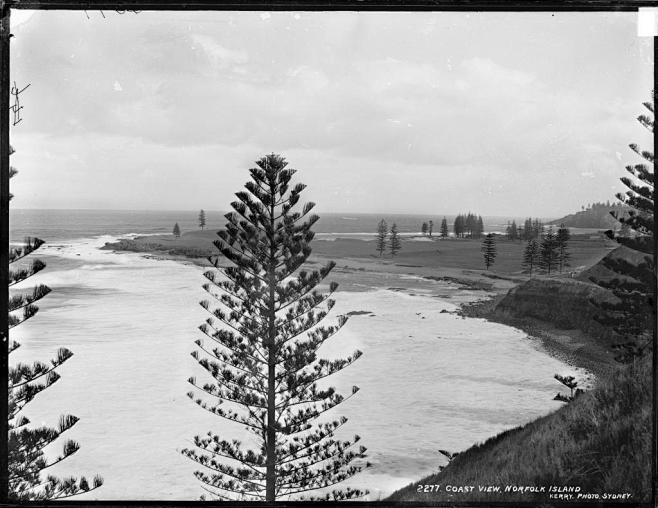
282, 5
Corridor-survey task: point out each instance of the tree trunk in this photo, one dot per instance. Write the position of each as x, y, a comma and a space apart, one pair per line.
270, 450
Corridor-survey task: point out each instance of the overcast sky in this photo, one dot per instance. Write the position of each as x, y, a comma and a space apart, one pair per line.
498, 113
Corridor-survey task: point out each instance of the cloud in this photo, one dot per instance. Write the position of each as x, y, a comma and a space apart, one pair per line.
448, 106
219, 56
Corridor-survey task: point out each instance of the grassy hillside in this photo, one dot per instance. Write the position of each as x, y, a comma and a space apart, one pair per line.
599, 272
597, 215
601, 443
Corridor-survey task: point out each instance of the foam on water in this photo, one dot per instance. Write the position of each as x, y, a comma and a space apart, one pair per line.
428, 379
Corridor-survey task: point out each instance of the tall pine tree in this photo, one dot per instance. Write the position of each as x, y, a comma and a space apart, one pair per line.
176, 230
382, 235
264, 361
458, 226
528, 230
479, 227
25, 448
202, 219
394, 241
489, 250
444, 228
562, 246
548, 253
531, 255
512, 231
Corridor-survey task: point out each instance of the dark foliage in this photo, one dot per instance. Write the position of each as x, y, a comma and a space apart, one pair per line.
469, 225
571, 383
562, 245
512, 231
531, 230
394, 240
531, 255
444, 228
489, 250
382, 234
548, 251
202, 219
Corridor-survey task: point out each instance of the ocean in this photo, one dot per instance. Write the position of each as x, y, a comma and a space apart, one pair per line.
56, 225
429, 379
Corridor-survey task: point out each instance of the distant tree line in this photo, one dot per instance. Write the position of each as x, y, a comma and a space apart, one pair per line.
469, 225
532, 229
549, 253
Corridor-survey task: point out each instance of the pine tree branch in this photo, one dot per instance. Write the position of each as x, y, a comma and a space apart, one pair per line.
240, 382
306, 286
239, 257
27, 381
236, 351
222, 470
222, 287
313, 305
29, 246
339, 452
227, 363
16, 276
223, 414
323, 486
225, 397
240, 332
332, 368
298, 422
217, 454
220, 496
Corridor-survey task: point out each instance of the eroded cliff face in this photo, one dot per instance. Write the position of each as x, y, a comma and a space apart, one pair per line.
565, 303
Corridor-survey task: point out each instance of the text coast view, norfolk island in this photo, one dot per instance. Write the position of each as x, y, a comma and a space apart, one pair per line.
376, 256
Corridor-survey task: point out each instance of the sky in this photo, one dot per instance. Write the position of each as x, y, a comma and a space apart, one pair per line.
514, 114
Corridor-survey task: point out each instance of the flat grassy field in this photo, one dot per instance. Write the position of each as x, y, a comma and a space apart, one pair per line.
464, 253
418, 252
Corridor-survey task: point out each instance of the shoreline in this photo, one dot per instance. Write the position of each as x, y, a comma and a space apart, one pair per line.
573, 347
